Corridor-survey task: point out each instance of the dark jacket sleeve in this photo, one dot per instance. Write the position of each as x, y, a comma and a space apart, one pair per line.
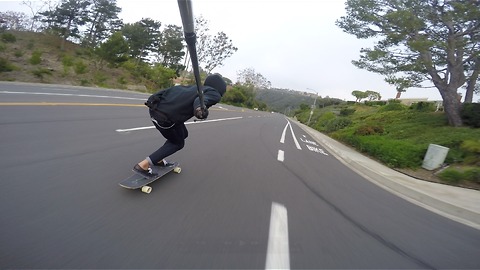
211, 97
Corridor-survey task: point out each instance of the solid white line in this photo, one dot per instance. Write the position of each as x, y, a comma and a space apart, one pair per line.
281, 156
282, 140
134, 129
278, 251
187, 123
213, 120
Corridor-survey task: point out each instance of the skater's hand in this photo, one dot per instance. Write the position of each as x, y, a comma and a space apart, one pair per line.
201, 113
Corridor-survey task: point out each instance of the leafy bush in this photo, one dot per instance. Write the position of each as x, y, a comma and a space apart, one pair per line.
424, 106
347, 111
337, 124
5, 65
67, 60
36, 57
471, 114
8, 38
40, 72
472, 174
80, 67
472, 151
375, 103
451, 176
369, 130
455, 176
18, 53
393, 106
323, 120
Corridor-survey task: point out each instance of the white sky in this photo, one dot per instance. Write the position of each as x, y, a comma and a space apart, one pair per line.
295, 44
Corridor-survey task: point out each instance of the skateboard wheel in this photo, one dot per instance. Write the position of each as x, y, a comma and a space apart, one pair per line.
177, 169
146, 189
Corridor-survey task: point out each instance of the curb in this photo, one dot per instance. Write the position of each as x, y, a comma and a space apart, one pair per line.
399, 183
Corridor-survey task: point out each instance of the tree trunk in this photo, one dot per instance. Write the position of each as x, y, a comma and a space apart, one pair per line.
472, 81
452, 106
399, 94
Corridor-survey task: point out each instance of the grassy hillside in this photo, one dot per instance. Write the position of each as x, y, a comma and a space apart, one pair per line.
36, 57
399, 137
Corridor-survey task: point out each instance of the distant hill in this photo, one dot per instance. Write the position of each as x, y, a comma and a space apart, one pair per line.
286, 101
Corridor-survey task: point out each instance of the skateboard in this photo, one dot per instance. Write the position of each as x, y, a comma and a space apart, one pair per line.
139, 181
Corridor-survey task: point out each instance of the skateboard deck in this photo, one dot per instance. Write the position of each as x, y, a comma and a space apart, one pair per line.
139, 181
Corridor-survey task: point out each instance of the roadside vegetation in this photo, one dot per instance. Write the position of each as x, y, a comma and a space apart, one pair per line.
399, 135
394, 134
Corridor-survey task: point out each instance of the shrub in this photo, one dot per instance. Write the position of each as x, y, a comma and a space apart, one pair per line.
5, 65
347, 111
81, 67
67, 60
36, 58
392, 106
375, 103
40, 72
8, 38
337, 124
472, 151
424, 106
18, 53
451, 176
472, 174
369, 130
324, 119
471, 114
100, 79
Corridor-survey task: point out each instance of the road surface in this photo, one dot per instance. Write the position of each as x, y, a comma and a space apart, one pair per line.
255, 192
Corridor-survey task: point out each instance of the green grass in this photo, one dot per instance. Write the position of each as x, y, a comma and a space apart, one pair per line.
399, 137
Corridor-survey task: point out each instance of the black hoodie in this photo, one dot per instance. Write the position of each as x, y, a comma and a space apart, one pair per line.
178, 103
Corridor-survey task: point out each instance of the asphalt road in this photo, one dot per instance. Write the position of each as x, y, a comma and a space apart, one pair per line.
255, 192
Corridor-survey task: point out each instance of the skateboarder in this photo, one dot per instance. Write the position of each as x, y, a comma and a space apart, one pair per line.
169, 109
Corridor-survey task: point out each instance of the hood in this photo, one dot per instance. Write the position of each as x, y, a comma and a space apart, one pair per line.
216, 81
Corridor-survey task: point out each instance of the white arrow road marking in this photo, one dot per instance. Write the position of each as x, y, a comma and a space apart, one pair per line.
282, 139
278, 251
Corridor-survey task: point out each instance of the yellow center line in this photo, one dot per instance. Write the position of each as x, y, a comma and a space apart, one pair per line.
66, 104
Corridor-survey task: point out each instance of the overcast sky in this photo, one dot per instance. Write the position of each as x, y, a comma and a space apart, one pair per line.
295, 44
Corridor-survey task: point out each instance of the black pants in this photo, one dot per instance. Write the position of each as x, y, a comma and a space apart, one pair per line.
175, 133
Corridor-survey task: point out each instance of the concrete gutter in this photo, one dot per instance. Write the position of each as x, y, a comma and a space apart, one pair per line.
459, 204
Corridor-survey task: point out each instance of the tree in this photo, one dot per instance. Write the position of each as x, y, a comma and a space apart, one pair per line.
102, 21
170, 51
249, 77
212, 51
12, 20
35, 10
114, 50
67, 18
142, 38
219, 49
418, 41
372, 95
359, 95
